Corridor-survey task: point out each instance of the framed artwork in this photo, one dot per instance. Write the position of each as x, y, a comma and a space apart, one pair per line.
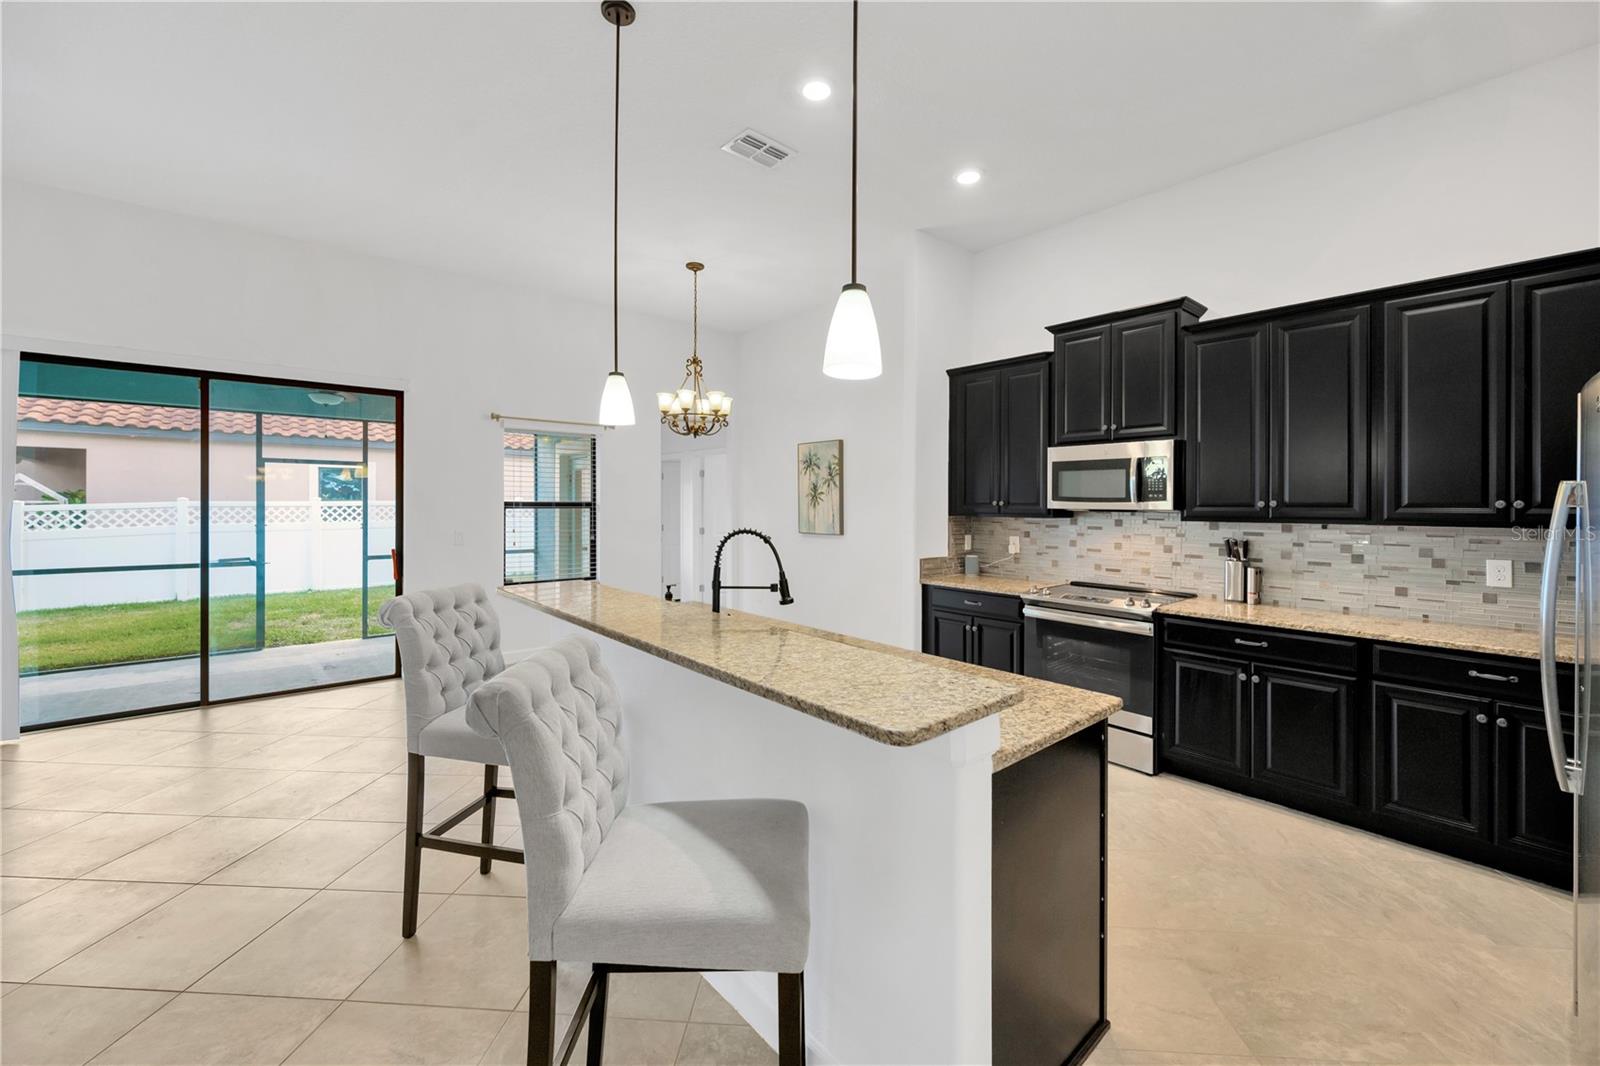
819, 487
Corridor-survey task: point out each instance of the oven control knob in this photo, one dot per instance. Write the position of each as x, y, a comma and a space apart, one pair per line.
1130, 602
1146, 602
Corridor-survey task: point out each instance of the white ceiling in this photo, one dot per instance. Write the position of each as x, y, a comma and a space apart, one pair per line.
476, 137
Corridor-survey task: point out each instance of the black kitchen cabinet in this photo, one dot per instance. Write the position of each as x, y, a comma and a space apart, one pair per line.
1445, 455
999, 430
1207, 715
1555, 323
1116, 377
1532, 815
1428, 760
1225, 456
979, 628
1082, 370
1304, 730
1318, 456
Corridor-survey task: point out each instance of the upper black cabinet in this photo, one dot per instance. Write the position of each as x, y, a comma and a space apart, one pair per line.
1555, 330
1278, 417
999, 430
1116, 376
1445, 383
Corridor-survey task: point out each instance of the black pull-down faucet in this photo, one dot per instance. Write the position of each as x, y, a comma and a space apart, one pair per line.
781, 587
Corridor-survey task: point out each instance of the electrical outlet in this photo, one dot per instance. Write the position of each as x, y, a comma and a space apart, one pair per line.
1497, 573
1014, 545
458, 538
966, 542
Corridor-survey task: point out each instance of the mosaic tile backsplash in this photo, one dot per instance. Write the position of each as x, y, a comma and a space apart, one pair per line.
1422, 572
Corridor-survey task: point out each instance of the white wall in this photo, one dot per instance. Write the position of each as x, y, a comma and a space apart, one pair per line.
84, 275
1499, 172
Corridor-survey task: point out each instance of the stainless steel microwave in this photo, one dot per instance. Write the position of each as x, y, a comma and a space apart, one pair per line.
1136, 475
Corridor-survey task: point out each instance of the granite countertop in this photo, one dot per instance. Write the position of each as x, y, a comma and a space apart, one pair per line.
892, 695
1449, 636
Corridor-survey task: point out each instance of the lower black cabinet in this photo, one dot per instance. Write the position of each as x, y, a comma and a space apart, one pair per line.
1208, 714
1428, 760
1305, 732
997, 645
983, 629
949, 634
1532, 815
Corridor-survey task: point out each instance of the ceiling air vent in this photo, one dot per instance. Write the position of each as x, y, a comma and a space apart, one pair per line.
758, 148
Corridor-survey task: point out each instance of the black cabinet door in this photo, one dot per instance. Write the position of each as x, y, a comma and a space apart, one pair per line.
1226, 452
1304, 729
975, 442
1445, 410
1143, 377
1082, 374
1320, 446
1207, 719
1428, 761
997, 645
948, 635
1025, 413
1555, 330
1532, 814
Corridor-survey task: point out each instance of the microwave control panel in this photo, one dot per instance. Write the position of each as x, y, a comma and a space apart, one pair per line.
1153, 479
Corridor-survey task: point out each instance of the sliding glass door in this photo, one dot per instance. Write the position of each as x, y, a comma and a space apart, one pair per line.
180, 538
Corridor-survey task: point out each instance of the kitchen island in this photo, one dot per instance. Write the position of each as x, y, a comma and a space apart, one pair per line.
957, 820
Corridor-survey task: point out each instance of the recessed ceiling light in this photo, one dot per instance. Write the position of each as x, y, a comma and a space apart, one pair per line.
816, 91
968, 177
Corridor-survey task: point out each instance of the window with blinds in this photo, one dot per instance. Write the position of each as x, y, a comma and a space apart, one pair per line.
549, 507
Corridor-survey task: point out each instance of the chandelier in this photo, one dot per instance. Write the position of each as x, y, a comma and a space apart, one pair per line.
694, 411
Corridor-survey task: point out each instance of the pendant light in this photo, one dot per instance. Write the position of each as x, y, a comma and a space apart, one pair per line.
616, 402
693, 410
852, 351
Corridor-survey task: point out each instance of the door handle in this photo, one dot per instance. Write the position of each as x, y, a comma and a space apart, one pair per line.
1570, 495
1255, 679
973, 603
1501, 722
1249, 643
1482, 718
1481, 676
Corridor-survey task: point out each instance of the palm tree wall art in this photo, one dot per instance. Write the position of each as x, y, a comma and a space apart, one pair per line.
820, 487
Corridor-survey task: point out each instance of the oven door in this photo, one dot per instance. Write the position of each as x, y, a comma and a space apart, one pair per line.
1116, 656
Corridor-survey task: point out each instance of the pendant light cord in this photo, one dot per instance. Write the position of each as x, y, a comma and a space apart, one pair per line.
694, 349
855, 52
616, 193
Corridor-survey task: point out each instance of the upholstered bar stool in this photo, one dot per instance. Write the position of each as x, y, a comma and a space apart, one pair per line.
449, 645
704, 885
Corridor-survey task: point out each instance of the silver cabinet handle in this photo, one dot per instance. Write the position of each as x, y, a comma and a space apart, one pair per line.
1113, 427
1501, 722
1242, 675
1104, 426
1511, 678
1249, 643
1255, 679
1499, 505
973, 603
1273, 503
1261, 503
1482, 718
1517, 505
1002, 503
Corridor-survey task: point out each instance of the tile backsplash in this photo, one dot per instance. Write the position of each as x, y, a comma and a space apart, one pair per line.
1421, 572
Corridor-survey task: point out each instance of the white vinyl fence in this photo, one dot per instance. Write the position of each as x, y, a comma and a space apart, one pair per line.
309, 545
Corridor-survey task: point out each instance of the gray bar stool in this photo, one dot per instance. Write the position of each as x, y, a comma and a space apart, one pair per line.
449, 645
696, 886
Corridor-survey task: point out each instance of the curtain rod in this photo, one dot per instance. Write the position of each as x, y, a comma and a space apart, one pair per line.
498, 417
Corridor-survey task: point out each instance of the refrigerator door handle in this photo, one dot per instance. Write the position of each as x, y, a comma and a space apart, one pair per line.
1569, 771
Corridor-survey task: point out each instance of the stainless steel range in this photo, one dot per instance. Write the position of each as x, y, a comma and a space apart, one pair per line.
1101, 637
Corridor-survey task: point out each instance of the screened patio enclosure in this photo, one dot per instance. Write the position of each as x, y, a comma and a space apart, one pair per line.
182, 538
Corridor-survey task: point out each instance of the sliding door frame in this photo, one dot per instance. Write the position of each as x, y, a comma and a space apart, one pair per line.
205, 377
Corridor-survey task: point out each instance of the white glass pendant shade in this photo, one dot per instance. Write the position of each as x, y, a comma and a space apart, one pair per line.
616, 402
852, 351
664, 400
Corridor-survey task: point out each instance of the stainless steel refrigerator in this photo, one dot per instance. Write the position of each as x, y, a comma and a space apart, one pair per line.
1572, 533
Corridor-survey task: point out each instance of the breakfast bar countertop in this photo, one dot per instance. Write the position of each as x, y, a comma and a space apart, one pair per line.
889, 694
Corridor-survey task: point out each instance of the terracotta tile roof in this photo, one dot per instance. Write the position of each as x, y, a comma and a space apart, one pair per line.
187, 419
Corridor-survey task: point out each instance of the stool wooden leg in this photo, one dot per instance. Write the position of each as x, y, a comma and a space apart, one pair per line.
791, 1019
491, 774
597, 1018
415, 765
541, 1013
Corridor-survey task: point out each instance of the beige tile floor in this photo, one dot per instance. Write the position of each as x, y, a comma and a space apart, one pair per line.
220, 886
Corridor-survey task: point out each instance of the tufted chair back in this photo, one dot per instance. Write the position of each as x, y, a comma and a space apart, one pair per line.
449, 645
558, 715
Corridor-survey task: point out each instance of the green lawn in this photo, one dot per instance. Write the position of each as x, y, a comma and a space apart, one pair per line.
130, 632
